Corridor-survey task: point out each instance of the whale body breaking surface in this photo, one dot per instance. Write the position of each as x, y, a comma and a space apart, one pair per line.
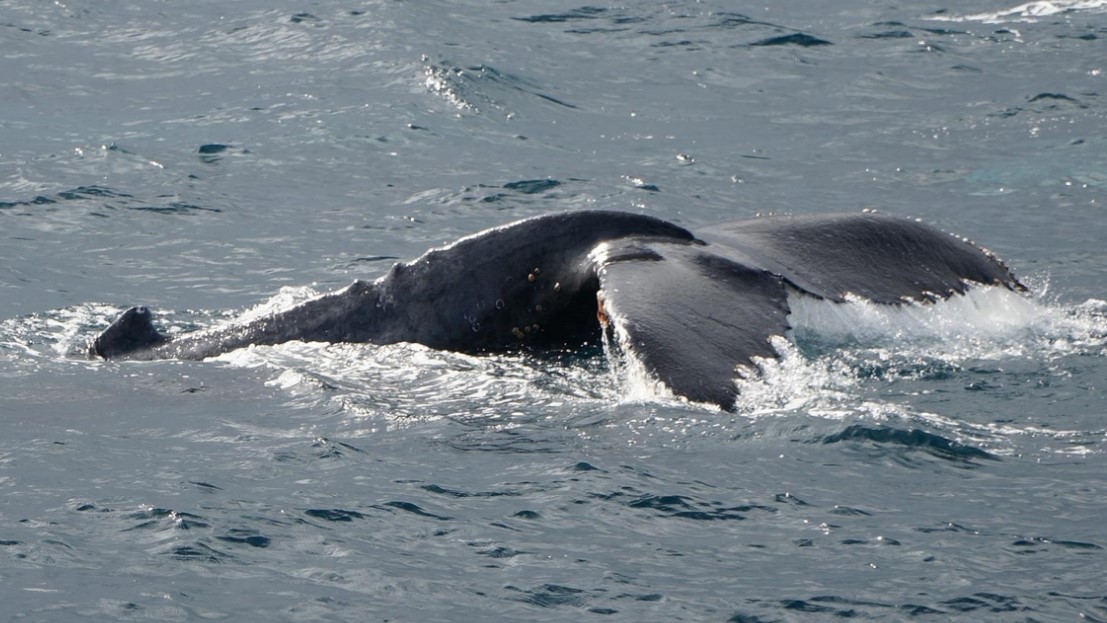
695, 311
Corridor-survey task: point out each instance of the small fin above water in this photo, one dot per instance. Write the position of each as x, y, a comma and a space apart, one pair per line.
132, 331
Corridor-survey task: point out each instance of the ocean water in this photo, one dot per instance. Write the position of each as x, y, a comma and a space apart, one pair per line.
210, 159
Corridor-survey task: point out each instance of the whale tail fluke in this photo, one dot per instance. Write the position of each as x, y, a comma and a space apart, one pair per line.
133, 331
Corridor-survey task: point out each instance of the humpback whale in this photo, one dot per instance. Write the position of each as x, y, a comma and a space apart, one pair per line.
695, 311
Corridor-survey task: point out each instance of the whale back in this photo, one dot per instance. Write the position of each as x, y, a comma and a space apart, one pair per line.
527, 284
531, 283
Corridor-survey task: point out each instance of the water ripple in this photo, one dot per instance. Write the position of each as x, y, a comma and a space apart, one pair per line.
930, 443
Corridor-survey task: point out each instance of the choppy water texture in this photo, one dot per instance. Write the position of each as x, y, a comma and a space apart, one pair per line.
207, 158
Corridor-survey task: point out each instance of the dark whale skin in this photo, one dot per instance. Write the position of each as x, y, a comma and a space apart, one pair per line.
695, 312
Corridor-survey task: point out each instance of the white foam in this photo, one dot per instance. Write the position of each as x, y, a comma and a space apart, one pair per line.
635, 383
287, 297
980, 314
825, 375
1028, 12
986, 323
794, 383
973, 325
410, 381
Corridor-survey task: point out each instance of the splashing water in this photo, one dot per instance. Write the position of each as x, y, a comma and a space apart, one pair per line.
1030, 11
837, 348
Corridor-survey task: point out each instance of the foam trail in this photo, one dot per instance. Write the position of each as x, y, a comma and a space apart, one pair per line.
823, 374
1028, 12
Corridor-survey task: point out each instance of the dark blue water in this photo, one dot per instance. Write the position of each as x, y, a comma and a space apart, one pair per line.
211, 158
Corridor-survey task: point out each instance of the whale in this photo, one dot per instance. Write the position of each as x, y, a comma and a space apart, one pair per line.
695, 311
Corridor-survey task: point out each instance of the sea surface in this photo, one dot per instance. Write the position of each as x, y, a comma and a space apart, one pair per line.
212, 159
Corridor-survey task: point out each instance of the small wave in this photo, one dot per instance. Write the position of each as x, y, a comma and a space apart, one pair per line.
101, 201
840, 607
334, 514
482, 88
799, 39
444, 82
1029, 12
530, 187
690, 31
583, 13
96, 192
931, 443
684, 507
552, 596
